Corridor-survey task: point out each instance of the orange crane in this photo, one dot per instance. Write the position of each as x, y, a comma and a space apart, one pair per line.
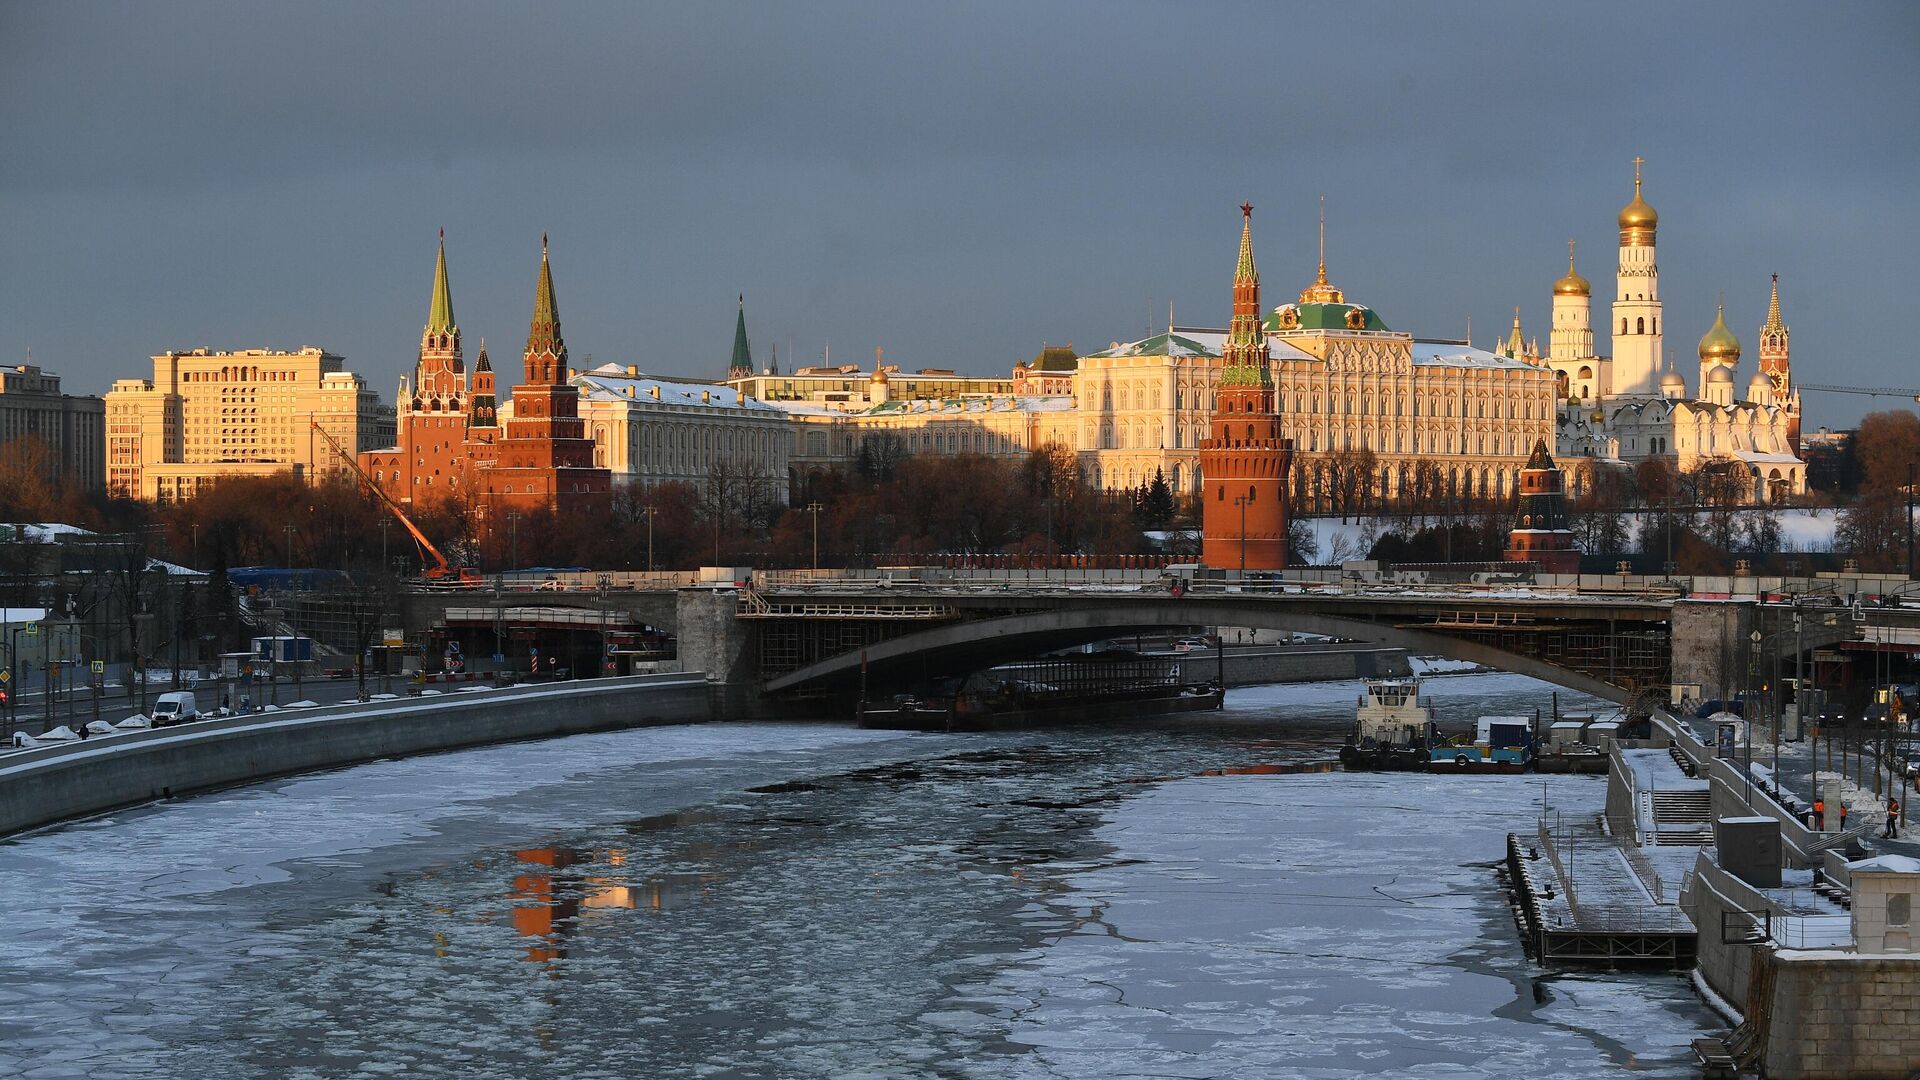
441, 570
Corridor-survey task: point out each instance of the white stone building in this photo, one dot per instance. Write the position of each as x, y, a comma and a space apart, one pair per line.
650, 431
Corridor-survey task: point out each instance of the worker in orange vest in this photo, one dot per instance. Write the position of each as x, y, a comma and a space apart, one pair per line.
1820, 815
1893, 820
1843, 816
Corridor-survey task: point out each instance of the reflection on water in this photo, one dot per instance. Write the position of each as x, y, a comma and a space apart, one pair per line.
550, 903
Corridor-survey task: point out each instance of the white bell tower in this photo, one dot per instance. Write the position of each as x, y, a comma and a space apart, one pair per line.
1637, 360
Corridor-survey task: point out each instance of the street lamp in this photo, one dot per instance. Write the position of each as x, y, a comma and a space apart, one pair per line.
1241, 502
513, 537
289, 530
814, 508
602, 585
649, 510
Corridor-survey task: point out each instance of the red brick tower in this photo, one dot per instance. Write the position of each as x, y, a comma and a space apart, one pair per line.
428, 461
1244, 460
483, 420
544, 458
1540, 534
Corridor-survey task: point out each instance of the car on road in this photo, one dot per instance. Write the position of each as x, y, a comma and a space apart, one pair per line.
176, 707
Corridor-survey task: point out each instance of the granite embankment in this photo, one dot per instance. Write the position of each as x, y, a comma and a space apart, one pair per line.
58, 783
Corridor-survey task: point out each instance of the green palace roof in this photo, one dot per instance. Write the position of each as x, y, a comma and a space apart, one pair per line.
1321, 316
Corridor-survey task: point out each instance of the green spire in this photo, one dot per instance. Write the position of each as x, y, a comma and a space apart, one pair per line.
440, 314
1245, 273
742, 362
1244, 357
544, 335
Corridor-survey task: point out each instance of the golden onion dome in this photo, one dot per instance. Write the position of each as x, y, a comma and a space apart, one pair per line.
1573, 284
1719, 344
1638, 214
1637, 219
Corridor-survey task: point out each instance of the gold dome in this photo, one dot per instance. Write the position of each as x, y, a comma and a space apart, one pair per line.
1719, 344
1573, 284
1638, 214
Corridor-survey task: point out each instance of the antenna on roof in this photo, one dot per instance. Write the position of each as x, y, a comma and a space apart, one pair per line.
1469, 331
1169, 316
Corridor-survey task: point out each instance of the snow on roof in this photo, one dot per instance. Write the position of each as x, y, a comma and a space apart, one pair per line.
1894, 864
1184, 341
611, 382
935, 407
1453, 354
44, 532
1758, 458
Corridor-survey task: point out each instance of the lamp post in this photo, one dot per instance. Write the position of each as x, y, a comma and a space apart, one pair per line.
814, 508
1241, 502
513, 537
601, 585
649, 510
289, 530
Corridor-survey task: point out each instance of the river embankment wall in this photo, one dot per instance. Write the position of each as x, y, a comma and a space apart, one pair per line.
58, 783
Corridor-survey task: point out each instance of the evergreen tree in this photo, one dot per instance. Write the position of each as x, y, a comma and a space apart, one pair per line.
1156, 502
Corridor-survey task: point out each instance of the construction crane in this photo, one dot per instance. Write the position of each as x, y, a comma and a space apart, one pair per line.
441, 570
1869, 391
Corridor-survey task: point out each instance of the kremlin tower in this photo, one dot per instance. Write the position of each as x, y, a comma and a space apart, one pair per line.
544, 457
741, 365
428, 461
1244, 461
1540, 534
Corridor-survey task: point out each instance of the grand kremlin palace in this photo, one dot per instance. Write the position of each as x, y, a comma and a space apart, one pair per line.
1345, 383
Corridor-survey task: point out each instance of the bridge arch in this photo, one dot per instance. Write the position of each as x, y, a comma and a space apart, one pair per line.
956, 647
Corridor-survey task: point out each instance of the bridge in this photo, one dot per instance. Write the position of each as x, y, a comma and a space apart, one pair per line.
800, 634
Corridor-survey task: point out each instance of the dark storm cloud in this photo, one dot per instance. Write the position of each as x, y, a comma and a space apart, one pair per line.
955, 183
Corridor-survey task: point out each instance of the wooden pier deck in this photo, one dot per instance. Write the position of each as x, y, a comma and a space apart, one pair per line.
1581, 898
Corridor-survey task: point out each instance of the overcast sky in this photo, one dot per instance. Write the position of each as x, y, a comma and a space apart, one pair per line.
957, 182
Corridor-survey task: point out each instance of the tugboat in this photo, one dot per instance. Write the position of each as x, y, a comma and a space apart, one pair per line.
1392, 728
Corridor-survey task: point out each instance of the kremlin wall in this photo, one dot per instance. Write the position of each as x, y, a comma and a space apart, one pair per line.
1313, 404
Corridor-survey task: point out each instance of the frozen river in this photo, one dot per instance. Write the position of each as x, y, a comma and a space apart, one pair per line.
1180, 898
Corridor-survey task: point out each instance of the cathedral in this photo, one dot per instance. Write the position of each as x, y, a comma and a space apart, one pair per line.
1633, 406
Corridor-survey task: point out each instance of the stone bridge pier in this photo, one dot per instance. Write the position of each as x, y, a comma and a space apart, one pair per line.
1726, 647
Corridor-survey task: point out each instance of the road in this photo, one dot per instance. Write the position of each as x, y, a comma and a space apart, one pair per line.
118, 703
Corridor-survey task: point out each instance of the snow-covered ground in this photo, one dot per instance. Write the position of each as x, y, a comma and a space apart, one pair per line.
1808, 530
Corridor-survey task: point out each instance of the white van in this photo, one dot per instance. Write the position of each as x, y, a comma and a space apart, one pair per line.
174, 708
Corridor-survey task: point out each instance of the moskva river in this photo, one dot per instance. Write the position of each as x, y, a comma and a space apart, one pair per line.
1188, 897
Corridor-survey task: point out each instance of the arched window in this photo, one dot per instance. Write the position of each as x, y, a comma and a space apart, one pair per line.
1640, 326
